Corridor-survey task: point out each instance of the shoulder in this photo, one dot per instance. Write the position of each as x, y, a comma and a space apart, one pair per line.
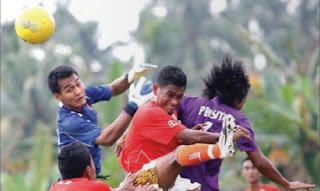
189, 103
190, 98
241, 118
98, 93
97, 89
151, 108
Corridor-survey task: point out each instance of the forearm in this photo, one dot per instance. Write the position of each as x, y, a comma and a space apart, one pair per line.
267, 169
119, 86
189, 136
115, 130
206, 137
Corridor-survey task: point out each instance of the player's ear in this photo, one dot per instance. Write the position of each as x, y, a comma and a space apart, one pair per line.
155, 88
87, 173
57, 96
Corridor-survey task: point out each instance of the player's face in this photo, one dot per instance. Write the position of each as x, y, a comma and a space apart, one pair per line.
72, 93
168, 97
250, 172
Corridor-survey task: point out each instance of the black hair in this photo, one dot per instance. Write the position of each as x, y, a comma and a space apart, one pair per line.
58, 73
73, 159
246, 159
172, 75
229, 82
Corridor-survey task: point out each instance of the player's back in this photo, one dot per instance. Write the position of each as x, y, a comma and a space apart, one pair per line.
79, 184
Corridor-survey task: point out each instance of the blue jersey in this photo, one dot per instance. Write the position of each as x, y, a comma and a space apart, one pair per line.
82, 127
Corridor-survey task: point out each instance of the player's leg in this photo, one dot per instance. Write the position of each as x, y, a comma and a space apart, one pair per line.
167, 170
169, 166
190, 155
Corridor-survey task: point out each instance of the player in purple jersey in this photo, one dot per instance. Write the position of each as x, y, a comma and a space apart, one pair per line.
226, 89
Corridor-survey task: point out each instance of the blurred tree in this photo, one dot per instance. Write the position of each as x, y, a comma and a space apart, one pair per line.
279, 39
26, 101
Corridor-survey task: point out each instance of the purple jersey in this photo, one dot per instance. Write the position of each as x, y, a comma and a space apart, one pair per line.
195, 110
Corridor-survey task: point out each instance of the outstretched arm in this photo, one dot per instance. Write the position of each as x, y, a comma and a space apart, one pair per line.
191, 136
267, 169
121, 84
114, 131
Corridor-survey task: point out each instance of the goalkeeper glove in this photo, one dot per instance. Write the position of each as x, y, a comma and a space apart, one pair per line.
139, 70
138, 95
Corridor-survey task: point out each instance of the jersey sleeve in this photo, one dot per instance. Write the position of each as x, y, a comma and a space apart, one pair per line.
98, 93
247, 144
74, 128
161, 126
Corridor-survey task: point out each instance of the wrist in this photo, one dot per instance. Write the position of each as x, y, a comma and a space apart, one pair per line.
130, 76
131, 108
286, 185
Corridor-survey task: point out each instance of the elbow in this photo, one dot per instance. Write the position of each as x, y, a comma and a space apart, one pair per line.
106, 140
109, 142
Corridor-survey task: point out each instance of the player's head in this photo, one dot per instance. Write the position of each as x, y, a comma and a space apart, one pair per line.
229, 82
74, 161
65, 85
250, 172
170, 87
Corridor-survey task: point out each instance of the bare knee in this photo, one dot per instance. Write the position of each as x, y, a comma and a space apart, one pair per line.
167, 169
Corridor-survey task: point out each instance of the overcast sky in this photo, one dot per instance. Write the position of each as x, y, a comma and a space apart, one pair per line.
116, 18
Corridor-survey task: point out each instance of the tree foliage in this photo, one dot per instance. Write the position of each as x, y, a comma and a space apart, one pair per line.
283, 104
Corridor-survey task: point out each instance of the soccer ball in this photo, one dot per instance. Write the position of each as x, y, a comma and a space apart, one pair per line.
35, 25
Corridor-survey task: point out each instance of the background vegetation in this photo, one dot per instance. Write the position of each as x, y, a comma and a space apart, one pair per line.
278, 39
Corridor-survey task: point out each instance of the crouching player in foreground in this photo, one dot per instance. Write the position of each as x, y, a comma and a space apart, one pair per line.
79, 172
152, 142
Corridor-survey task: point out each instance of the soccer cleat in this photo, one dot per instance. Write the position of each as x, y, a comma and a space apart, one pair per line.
226, 136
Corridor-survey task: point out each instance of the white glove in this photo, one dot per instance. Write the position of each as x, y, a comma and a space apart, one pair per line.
140, 70
142, 92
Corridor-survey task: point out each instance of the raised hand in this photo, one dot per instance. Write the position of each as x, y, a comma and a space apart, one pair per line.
140, 70
241, 132
142, 92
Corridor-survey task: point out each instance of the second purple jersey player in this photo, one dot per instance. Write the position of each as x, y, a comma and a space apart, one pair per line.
225, 92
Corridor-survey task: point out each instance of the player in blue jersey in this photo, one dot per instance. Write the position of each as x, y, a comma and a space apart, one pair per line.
77, 121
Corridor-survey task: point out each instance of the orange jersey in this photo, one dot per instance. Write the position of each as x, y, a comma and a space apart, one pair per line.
151, 135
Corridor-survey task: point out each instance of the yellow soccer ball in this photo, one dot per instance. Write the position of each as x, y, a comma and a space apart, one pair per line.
35, 25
